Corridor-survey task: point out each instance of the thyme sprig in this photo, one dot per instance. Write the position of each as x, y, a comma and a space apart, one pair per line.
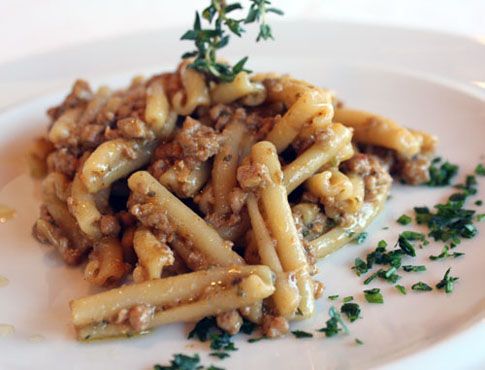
217, 34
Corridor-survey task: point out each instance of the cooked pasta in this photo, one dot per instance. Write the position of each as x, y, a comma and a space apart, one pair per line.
211, 198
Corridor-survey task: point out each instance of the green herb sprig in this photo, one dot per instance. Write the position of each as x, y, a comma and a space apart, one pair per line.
208, 40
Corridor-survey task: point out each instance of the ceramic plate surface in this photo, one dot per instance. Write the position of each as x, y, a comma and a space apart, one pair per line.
423, 80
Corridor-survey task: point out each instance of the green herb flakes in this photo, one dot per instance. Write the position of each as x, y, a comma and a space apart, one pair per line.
351, 310
441, 174
373, 295
334, 325
301, 334
421, 287
404, 220
447, 283
401, 289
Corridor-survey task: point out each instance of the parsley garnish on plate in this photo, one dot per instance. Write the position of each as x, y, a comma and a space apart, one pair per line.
447, 283
221, 342
404, 220
358, 341
348, 299
208, 40
445, 253
301, 334
441, 173
411, 268
333, 297
361, 237
334, 325
185, 362
351, 310
421, 287
480, 169
373, 295
401, 289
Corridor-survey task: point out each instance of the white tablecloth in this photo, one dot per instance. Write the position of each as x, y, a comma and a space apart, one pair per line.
34, 26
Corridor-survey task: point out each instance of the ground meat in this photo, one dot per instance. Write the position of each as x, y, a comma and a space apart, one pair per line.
139, 316
230, 322
251, 176
198, 141
274, 326
80, 94
415, 171
109, 225
62, 161
154, 216
371, 169
134, 128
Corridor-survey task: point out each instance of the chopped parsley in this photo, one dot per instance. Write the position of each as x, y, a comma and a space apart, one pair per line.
441, 173
185, 362
351, 310
333, 297
389, 275
254, 340
334, 325
382, 244
445, 253
480, 169
361, 237
247, 327
406, 246
371, 277
421, 287
360, 267
478, 202
348, 299
358, 341
404, 220
401, 289
411, 268
481, 217
447, 282
221, 342
373, 295
301, 334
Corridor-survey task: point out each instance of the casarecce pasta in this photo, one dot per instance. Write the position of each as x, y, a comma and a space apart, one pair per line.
212, 198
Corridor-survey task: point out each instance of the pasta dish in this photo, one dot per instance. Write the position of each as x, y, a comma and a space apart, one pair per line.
189, 198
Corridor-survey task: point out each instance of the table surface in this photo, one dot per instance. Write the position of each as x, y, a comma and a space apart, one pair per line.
31, 26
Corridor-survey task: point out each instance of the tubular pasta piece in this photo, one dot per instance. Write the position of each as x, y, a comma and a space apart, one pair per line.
63, 128
185, 182
316, 156
280, 222
253, 93
82, 205
113, 160
339, 236
157, 111
372, 129
194, 94
187, 223
106, 265
153, 255
170, 291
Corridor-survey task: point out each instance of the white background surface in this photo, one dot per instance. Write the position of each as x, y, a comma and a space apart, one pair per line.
33, 26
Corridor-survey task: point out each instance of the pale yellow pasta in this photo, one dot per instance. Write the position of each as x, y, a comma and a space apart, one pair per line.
195, 92
253, 93
185, 182
250, 289
337, 192
225, 166
95, 105
170, 291
187, 223
55, 186
153, 255
429, 142
106, 265
158, 115
83, 207
376, 130
286, 296
64, 127
113, 160
341, 235
316, 156
280, 222
309, 104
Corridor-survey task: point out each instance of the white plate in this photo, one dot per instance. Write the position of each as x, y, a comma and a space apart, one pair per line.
424, 80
